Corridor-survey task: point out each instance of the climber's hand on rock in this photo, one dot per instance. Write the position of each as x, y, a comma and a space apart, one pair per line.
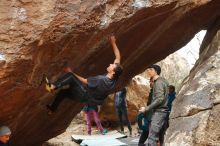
112, 39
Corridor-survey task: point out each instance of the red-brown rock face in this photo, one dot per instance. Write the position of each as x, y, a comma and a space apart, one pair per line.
38, 37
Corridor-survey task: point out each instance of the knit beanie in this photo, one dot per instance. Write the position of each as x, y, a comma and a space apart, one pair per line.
4, 130
156, 68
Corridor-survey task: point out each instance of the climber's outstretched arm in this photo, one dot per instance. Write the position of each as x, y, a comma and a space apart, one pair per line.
115, 50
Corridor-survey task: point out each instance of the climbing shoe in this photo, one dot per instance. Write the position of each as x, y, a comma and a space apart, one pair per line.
47, 84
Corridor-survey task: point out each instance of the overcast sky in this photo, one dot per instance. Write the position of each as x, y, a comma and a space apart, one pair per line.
191, 50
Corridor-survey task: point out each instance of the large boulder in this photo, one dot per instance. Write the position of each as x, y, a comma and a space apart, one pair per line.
196, 108
40, 37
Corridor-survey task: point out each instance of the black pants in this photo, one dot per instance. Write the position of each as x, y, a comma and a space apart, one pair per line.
143, 138
75, 91
123, 111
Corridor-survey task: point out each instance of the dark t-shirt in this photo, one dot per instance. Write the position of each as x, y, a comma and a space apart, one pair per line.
98, 89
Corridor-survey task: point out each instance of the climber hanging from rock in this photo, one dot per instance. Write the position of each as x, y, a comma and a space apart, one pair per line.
92, 90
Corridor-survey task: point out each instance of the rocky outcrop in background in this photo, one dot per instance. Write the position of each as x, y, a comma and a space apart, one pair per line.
137, 94
174, 68
40, 37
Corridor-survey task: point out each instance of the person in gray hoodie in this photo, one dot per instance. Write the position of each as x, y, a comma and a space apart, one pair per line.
158, 104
